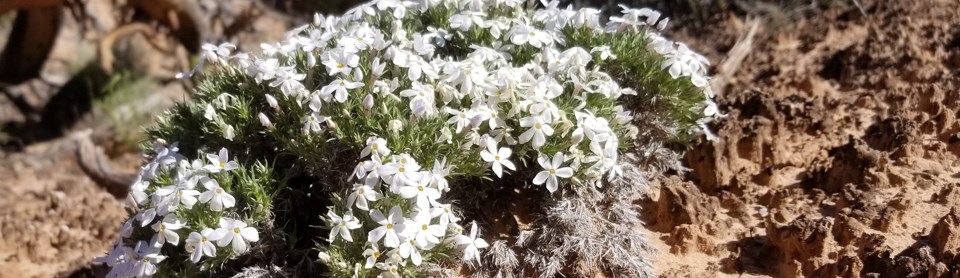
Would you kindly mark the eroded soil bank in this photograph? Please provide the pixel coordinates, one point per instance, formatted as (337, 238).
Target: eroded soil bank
(839, 156)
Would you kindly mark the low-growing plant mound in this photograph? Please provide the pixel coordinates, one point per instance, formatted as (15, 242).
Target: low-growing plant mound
(374, 143)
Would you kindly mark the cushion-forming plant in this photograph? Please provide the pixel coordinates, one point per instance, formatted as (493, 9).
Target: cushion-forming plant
(376, 143)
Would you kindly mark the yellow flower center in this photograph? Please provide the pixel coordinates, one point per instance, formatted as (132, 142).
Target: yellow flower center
(552, 171)
(420, 188)
(340, 65)
(218, 190)
(400, 170)
(537, 126)
(423, 227)
(373, 147)
(222, 164)
(389, 226)
(360, 191)
(236, 230)
(203, 239)
(496, 158)
(376, 254)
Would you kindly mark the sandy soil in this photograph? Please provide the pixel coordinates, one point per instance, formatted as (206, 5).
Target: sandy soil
(53, 218)
(838, 157)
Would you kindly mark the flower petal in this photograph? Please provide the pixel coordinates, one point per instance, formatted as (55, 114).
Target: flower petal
(541, 177)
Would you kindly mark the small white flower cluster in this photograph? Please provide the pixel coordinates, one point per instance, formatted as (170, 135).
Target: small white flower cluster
(399, 237)
(490, 79)
(166, 186)
(488, 96)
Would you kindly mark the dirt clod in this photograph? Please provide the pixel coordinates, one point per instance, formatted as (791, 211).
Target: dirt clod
(840, 155)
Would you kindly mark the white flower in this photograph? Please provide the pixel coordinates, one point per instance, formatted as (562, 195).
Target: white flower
(315, 40)
(166, 231)
(210, 113)
(288, 80)
(311, 123)
(173, 196)
(402, 171)
(438, 175)
(145, 260)
(471, 244)
(215, 53)
(445, 213)
(201, 244)
(498, 158)
(466, 20)
(220, 162)
(422, 45)
(422, 193)
(372, 254)
(236, 232)
(342, 225)
(377, 146)
(424, 234)
(605, 52)
(146, 216)
(126, 229)
(551, 171)
(388, 270)
(391, 227)
(395, 125)
(361, 194)
(339, 89)
(525, 34)
(539, 130)
(216, 196)
(461, 118)
(341, 62)
(409, 249)
(264, 70)
(372, 170)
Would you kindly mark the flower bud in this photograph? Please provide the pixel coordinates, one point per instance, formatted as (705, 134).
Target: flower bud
(265, 121)
(395, 125)
(324, 257)
(368, 102)
(228, 132)
(311, 60)
(272, 102)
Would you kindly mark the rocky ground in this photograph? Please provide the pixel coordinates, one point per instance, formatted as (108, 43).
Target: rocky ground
(838, 157)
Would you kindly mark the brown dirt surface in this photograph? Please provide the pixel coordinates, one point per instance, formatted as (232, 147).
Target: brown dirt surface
(53, 218)
(839, 154)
